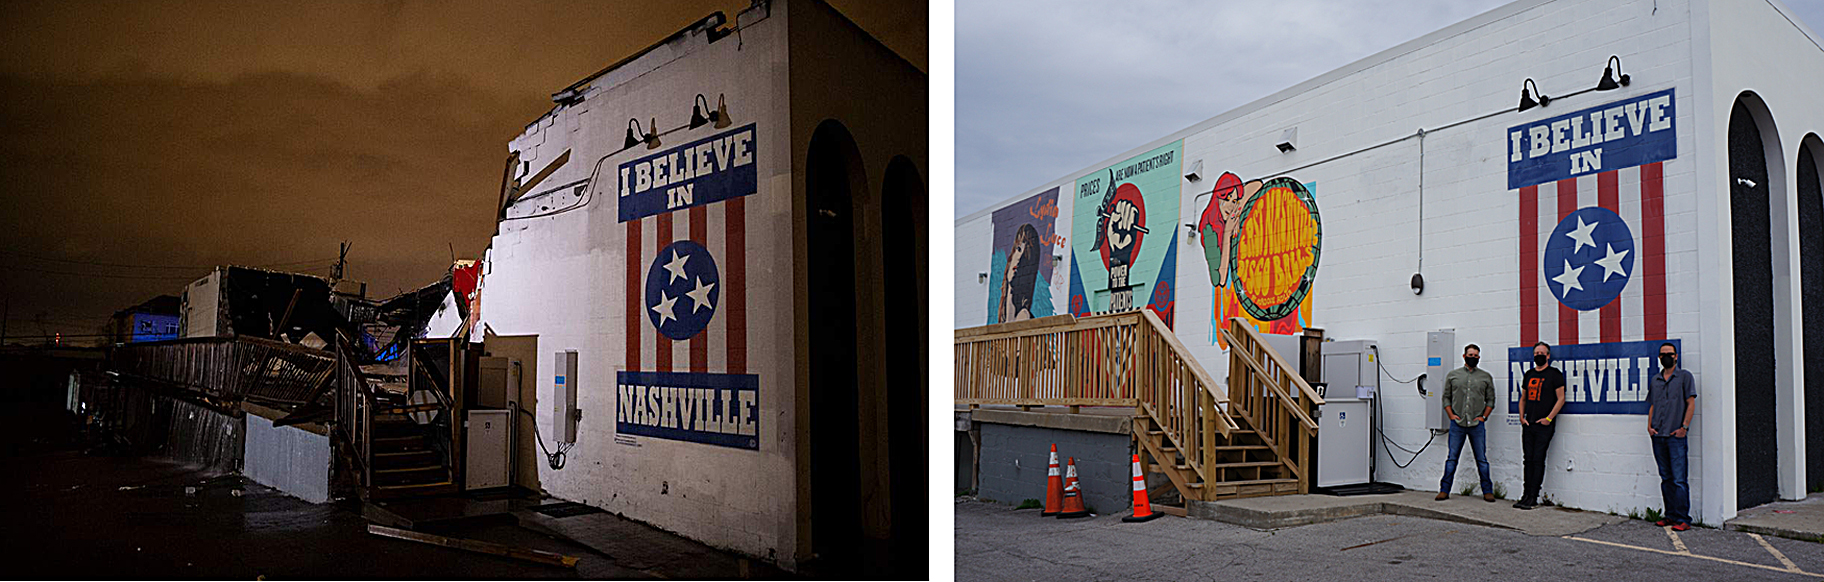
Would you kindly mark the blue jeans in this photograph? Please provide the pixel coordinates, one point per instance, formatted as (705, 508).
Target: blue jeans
(1477, 443)
(1670, 452)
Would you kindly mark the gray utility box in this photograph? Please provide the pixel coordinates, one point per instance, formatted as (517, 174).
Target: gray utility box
(498, 383)
(563, 398)
(489, 451)
(1441, 356)
(1345, 423)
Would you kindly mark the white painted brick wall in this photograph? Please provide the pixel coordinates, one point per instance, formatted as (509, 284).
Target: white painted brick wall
(562, 277)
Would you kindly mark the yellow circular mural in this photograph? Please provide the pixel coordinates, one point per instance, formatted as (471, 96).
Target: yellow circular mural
(1277, 250)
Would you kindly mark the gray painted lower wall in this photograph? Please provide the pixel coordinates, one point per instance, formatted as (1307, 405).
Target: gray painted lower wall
(1104, 469)
(965, 460)
(287, 458)
(199, 435)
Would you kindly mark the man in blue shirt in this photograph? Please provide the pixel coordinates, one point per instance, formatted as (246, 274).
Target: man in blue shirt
(1671, 398)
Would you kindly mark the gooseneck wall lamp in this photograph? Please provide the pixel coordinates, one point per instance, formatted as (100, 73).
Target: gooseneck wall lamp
(1526, 97)
(717, 116)
(637, 135)
(1609, 81)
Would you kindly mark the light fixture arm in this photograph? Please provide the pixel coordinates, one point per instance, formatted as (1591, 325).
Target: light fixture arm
(1610, 70)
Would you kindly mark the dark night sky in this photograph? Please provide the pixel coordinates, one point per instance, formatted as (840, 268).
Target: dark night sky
(190, 134)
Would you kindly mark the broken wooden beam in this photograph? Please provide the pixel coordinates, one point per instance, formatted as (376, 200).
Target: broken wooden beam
(529, 555)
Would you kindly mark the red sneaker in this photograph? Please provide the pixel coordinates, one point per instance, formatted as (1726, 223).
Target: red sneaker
(1662, 523)
(1681, 527)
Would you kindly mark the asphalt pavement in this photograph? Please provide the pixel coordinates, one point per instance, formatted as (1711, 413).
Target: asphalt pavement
(996, 542)
(71, 515)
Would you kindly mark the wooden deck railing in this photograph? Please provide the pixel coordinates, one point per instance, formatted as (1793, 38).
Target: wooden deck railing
(1268, 393)
(1051, 361)
(231, 368)
(1121, 359)
(1182, 398)
(1133, 359)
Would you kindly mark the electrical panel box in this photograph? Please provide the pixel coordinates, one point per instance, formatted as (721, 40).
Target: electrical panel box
(489, 451)
(1350, 369)
(1441, 356)
(1345, 422)
(497, 383)
(563, 399)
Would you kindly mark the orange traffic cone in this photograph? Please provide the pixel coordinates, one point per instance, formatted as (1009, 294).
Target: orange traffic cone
(1073, 499)
(1143, 509)
(1054, 486)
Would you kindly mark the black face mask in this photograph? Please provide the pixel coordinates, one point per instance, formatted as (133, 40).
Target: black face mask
(1539, 360)
(1471, 360)
(1666, 360)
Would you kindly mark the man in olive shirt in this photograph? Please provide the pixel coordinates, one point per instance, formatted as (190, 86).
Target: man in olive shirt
(1541, 396)
(1469, 396)
(1671, 398)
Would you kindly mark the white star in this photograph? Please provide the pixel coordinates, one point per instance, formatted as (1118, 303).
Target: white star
(664, 308)
(1611, 264)
(1569, 279)
(1581, 234)
(700, 297)
(676, 266)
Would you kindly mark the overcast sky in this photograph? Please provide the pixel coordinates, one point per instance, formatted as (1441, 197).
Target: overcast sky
(144, 141)
(1047, 87)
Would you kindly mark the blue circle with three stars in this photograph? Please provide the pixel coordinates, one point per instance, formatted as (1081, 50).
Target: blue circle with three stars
(683, 289)
(1589, 258)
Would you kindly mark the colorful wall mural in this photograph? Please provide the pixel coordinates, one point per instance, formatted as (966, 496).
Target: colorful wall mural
(1262, 241)
(686, 375)
(1608, 258)
(1020, 271)
(1114, 263)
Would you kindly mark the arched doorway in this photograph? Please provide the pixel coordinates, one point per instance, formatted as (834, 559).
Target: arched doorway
(1811, 273)
(833, 178)
(1757, 231)
(903, 239)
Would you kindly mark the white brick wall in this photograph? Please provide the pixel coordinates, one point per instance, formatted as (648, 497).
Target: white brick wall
(1371, 212)
(562, 277)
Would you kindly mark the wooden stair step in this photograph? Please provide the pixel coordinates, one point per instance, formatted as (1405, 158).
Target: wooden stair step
(405, 458)
(1255, 488)
(410, 490)
(1243, 448)
(410, 469)
(412, 486)
(1246, 464)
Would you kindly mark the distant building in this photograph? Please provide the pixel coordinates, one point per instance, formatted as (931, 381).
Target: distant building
(725, 232)
(155, 320)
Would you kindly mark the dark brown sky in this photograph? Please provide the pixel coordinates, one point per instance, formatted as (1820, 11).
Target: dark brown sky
(189, 134)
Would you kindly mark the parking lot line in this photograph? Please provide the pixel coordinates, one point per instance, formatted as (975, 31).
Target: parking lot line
(1794, 570)
(1776, 553)
(1676, 543)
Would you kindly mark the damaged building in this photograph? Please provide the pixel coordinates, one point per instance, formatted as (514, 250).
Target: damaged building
(710, 258)
(285, 377)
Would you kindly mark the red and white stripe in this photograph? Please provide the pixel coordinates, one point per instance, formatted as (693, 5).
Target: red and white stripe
(1637, 194)
(721, 347)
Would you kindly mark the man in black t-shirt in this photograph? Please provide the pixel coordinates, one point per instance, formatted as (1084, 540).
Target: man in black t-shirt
(1541, 397)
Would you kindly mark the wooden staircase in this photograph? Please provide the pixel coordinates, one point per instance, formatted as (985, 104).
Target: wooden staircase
(392, 455)
(1252, 439)
(404, 462)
